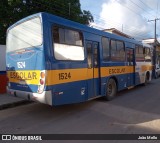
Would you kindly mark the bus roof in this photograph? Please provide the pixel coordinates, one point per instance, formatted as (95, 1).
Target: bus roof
(87, 28)
(76, 25)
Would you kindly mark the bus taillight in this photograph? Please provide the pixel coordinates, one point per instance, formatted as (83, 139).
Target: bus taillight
(41, 82)
(42, 74)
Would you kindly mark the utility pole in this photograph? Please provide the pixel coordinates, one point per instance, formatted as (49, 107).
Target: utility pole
(155, 44)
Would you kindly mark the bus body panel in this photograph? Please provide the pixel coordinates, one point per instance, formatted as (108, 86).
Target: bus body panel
(67, 93)
(24, 69)
(142, 68)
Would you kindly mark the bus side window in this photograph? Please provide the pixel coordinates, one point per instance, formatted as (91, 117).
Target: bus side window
(129, 53)
(113, 50)
(117, 51)
(89, 55)
(106, 50)
(120, 51)
(68, 44)
(147, 54)
(58, 35)
(95, 55)
(139, 53)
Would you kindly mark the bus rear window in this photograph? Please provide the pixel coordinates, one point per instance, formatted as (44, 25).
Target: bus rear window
(68, 44)
(24, 35)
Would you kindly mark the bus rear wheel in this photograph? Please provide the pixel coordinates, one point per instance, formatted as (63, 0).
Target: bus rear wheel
(111, 89)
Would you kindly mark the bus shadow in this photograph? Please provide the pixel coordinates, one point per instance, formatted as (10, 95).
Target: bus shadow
(139, 105)
(138, 99)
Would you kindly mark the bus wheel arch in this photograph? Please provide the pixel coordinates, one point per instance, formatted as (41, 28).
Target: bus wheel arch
(111, 88)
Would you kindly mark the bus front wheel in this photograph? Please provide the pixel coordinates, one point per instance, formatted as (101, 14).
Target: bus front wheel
(111, 89)
(146, 79)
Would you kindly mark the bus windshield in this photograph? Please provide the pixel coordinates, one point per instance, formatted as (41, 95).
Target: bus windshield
(25, 35)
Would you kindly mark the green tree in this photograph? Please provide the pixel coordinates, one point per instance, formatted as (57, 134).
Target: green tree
(14, 10)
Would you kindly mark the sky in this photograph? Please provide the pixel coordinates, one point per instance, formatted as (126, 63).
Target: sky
(128, 16)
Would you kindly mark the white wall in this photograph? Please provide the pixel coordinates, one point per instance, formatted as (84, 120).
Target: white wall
(2, 57)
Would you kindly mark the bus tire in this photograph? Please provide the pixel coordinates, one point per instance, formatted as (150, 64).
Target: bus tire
(146, 79)
(111, 89)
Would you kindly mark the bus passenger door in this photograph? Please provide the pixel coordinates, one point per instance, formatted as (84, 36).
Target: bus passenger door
(93, 69)
(130, 67)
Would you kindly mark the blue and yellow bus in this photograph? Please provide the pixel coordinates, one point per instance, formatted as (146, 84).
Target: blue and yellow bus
(57, 61)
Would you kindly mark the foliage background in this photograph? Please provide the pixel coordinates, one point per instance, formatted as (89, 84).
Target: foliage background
(13, 10)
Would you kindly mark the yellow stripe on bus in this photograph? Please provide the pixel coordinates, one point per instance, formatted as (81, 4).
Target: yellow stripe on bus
(65, 75)
(146, 68)
(28, 77)
(71, 75)
(108, 71)
(54, 77)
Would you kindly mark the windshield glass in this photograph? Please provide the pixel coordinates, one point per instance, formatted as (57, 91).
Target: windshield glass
(24, 35)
